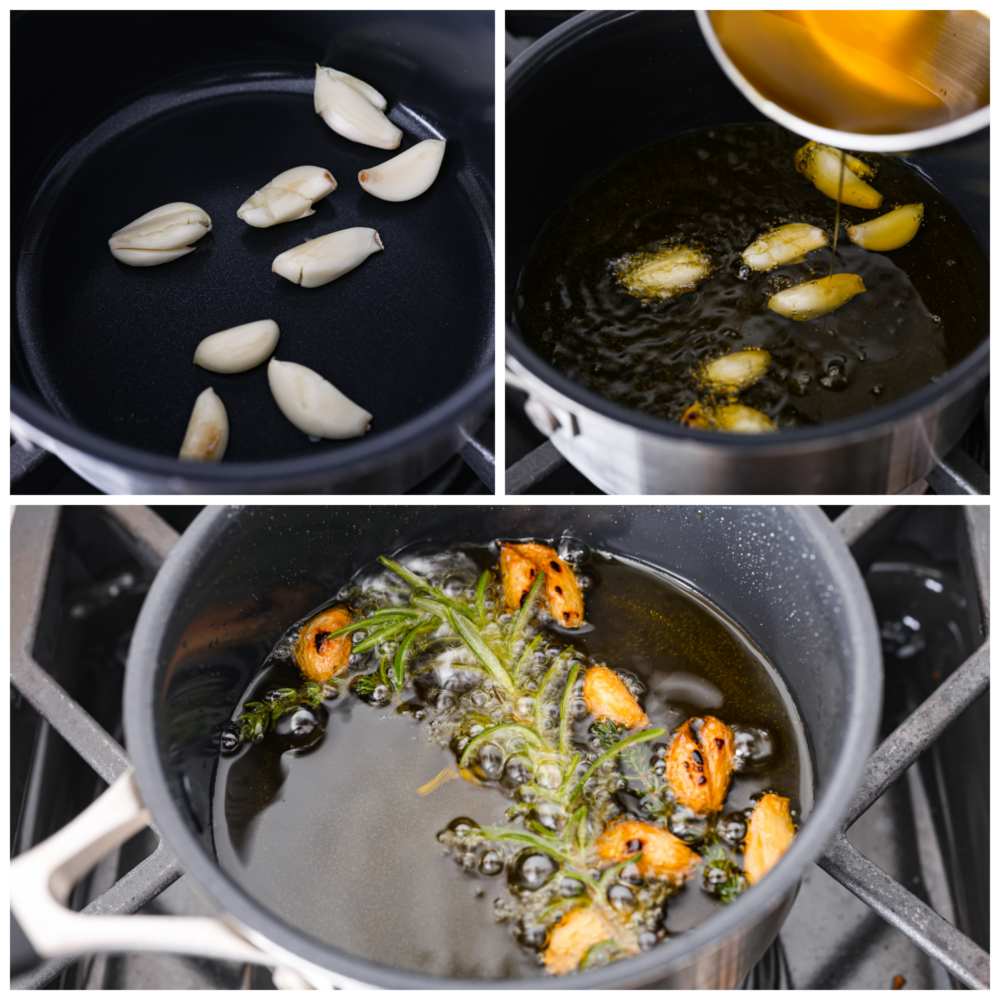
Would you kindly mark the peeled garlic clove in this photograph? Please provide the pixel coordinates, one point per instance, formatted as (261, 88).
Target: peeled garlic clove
(207, 431)
(890, 231)
(290, 196)
(821, 164)
(784, 245)
(239, 348)
(737, 371)
(327, 74)
(161, 235)
(816, 298)
(407, 175)
(350, 115)
(314, 405)
(327, 257)
(665, 274)
(734, 418)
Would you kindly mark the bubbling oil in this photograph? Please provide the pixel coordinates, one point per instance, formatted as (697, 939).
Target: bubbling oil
(925, 309)
(321, 820)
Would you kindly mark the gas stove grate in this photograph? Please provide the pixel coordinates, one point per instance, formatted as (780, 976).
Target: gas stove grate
(151, 540)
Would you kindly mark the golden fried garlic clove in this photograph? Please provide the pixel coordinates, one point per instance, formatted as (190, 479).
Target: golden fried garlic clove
(664, 274)
(816, 298)
(734, 372)
(784, 245)
(890, 231)
(327, 257)
(161, 235)
(770, 833)
(207, 431)
(407, 175)
(821, 165)
(288, 197)
(353, 109)
(314, 405)
(239, 348)
(733, 418)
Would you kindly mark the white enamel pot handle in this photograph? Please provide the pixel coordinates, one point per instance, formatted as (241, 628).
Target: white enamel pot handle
(42, 879)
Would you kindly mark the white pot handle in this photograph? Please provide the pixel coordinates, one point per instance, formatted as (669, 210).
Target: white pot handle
(41, 881)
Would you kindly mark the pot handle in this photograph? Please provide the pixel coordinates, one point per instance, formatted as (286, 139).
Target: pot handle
(42, 926)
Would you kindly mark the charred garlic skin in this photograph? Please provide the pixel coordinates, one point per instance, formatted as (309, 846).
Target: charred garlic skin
(326, 258)
(664, 856)
(699, 766)
(665, 273)
(521, 563)
(770, 833)
(207, 431)
(159, 236)
(784, 245)
(353, 109)
(890, 231)
(318, 656)
(288, 197)
(406, 176)
(816, 298)
(821, 164)
(607, 696)
(239, 348)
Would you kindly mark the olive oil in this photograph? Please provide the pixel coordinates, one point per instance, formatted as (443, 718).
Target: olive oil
(873, 71)
(926, 307)
(332, 819)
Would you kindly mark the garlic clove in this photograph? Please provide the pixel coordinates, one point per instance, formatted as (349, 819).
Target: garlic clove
(732, 418)
(350, 115)
(890, 231)
(239, 348)
(327, 74)
(784, 245)
(314, 405)
(405, 176)
(734, 372)
(665, 273)
(288, 197)
(821, 165)
(160, 235)
(207, 431)
(327, 257)
(816, 298)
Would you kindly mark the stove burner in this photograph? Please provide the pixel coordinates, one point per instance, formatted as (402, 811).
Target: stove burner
(926, 571)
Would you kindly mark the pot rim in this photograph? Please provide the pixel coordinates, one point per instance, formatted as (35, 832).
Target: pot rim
(831, 805)
(962, 378)
(391, 446)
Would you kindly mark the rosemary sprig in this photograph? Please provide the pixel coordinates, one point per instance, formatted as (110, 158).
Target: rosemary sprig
(259, 716)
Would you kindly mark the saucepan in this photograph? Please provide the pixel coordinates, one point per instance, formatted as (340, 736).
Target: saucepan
(605, 84)
(240, 576)
(206, 107)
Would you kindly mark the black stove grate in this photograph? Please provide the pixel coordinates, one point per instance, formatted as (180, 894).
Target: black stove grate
(78, 578)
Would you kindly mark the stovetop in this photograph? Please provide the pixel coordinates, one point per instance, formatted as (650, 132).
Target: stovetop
(929, 831)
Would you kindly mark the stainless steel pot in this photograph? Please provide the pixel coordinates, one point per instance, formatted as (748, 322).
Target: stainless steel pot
(565, 110)
(240, 576)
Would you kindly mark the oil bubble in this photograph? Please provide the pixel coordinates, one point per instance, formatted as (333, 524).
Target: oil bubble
(752, 746)
(687, 825)
(229, 742)
(621, 898)
(517, 772)
(732, 828)
(491, 863)
(491, 761)
(531, 871)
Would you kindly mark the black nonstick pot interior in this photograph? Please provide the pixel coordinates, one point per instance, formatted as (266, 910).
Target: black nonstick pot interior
(108, 347)
(623, 80)
(241, 576)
